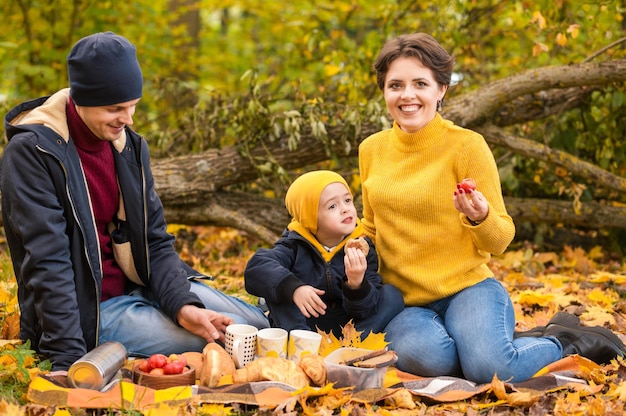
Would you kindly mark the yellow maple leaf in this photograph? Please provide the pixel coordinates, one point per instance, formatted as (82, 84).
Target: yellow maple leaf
(9, 409)
(8, 297)
(598, 316)
(573, 30)
(402, 399)
(350, 338)
(603, 297)
(374, 341)
(618, 391)
(316, 401)
(533, 297)
(561, 39)
(568, 405)
(538, 48)
(516, 398)
(215, 409)
(539, 19)
(329, 343)
(606, 277)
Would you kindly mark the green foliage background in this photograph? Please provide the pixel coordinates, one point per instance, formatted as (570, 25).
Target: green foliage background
(244, 71)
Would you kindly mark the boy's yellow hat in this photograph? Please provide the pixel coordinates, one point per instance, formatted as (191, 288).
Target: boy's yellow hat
(303, 196)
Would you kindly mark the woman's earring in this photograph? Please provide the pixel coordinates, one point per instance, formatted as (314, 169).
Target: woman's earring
(439, 105)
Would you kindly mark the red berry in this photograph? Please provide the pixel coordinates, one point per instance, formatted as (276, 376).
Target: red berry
(468, 184)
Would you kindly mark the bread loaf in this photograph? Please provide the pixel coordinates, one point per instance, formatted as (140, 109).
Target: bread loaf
(216, 363)
(359, 243)
(195, 360)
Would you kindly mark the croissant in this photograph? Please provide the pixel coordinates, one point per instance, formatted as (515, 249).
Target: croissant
(314, 367)
(274, 369)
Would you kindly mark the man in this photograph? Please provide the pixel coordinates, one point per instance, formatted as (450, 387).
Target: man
(85, 227)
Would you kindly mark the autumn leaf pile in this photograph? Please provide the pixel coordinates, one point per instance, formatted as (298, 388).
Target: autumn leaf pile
(587, 283)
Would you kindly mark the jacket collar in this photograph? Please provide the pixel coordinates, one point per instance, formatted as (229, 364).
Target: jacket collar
(48, 112)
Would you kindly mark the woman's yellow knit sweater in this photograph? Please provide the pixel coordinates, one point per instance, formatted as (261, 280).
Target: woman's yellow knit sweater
(426, 248)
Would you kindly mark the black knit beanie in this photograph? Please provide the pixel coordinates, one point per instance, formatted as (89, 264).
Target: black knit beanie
(103, 70)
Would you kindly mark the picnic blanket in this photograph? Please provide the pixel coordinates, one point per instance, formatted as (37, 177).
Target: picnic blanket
(124, 394)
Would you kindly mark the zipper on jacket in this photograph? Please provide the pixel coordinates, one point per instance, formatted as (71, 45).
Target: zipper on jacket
(78, 223)
(329, 280)
(145, 213)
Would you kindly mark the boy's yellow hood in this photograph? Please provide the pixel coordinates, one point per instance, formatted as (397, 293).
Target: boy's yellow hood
(303, 196)
(302, 201)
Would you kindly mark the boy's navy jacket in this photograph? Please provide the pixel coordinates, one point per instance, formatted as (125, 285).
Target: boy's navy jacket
(276, 273)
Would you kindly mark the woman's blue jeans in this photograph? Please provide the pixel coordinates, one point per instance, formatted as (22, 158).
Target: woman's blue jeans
(470, 335)
(136, 321)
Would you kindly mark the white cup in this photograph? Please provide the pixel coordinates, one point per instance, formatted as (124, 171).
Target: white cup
(303, 342)
(272, 342)
(241, 343)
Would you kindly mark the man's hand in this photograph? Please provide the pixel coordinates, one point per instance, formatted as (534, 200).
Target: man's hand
(307, 299)
(205, 323)
(356, 264)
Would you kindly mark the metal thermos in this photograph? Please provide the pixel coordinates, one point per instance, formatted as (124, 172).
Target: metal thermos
(96, 368)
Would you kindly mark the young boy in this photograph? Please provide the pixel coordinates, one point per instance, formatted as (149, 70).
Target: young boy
(309, 279)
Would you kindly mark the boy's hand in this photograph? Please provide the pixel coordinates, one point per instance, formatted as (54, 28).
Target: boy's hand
(356, 264)
(307, 299)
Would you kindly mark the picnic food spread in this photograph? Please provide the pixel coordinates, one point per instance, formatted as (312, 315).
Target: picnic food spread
(214, 363)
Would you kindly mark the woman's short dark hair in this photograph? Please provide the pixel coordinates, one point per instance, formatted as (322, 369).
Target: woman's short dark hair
(417, 45)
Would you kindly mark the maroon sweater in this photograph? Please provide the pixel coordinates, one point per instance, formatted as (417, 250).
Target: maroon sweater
(96, 157)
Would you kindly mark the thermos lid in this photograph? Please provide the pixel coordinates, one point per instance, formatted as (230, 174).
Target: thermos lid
(85, 375)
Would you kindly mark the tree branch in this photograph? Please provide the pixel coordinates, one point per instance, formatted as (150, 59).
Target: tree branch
(532, 149)
(479, 106)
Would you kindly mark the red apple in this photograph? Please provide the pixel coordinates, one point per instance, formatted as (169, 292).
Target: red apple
(144, 366)
(175, 367)
(157, 361)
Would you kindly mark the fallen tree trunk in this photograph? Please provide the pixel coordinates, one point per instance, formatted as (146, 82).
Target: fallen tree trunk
(197, 189)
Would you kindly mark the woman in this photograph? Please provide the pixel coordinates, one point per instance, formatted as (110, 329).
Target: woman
(434, 237)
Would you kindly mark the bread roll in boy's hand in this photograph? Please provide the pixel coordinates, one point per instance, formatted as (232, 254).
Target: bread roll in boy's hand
(359, 243)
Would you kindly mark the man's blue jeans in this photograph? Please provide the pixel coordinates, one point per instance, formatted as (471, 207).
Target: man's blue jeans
(136, 321)
(470, 335)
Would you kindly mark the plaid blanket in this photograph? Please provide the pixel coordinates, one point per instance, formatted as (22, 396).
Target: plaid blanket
(124, 394)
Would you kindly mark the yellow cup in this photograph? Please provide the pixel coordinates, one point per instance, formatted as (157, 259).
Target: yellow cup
(272, 342)
(303, 342)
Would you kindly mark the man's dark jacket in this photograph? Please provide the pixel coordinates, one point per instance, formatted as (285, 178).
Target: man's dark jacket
(50, 230)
